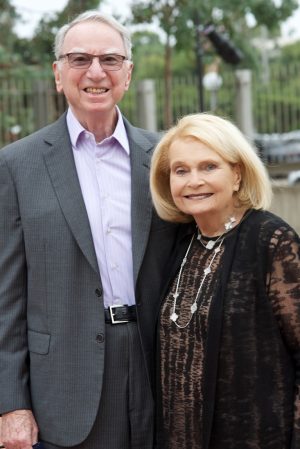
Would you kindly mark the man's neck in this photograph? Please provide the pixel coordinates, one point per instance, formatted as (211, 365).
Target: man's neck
(100, 125)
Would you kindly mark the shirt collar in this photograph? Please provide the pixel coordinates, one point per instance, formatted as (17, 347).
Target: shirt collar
(76, 131)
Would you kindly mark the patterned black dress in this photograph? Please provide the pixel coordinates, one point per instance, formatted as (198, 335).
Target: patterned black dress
(182, 350)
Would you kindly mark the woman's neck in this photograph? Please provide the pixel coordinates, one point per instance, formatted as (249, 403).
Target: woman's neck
(214, 227)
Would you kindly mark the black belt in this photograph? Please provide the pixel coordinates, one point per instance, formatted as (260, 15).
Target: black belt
(120, 314)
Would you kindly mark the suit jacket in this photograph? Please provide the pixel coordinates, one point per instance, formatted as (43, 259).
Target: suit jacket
(52, 331)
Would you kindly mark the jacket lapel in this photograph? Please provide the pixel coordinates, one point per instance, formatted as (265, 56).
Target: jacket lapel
(62, 171)
(141, 206)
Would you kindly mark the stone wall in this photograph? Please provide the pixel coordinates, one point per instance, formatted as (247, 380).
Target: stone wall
(286, 204)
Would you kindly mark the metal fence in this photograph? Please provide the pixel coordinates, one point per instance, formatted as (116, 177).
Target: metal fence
(276, 102)
(29, 101)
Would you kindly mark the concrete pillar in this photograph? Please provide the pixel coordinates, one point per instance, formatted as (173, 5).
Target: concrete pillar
(244, 113)
(146, 103)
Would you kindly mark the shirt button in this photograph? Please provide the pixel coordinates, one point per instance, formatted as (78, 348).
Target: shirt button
(100, 338)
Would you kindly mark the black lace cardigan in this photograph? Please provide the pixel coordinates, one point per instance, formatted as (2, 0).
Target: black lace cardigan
(252, 362)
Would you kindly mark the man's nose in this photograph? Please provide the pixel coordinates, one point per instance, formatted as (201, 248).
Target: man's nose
(95, 69)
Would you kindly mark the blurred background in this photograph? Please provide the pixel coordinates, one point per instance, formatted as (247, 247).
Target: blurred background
(236, 58)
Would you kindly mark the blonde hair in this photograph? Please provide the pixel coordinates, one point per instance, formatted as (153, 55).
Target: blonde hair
(223, 137)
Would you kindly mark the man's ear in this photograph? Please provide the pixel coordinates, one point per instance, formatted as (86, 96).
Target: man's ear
(57, 76)
(128, 77)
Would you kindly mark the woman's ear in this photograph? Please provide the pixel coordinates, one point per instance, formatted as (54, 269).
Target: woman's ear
(237, 177)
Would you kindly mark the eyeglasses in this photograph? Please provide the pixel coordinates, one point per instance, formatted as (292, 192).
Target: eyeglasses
(109, 62)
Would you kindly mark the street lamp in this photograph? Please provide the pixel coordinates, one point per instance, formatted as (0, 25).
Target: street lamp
(212, 82)
(228, 52)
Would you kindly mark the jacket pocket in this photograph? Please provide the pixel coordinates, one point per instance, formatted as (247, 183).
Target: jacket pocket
(38, 342)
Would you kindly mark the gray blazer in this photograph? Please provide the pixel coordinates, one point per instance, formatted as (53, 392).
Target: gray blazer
(52, 332)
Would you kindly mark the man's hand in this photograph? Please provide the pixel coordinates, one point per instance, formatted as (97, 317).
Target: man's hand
(19, 430)
(0, 431)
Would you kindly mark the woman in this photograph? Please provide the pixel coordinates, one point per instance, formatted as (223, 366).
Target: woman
(229, 324)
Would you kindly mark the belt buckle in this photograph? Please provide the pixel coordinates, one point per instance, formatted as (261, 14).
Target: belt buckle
(112, 315)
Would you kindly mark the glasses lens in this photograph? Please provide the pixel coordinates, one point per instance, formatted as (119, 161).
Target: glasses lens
(84, 60)
(80, 60)
(111, 62)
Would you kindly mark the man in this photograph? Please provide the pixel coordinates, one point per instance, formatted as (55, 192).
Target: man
(81, 259)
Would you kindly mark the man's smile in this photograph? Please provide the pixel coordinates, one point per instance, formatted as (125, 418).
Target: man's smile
(95, 90)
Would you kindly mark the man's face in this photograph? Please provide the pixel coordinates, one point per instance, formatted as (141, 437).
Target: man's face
(92, 90)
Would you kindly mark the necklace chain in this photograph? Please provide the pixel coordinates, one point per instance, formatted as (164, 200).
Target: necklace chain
(207, 270)
(174, 316)
(210, 244)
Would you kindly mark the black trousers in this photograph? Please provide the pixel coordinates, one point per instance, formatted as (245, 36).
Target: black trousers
(125, 416)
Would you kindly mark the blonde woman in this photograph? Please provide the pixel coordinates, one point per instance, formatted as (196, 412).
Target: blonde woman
(229, 322)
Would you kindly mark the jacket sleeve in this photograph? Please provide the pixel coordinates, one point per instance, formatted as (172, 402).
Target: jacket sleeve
(14, 391)
(284, 293)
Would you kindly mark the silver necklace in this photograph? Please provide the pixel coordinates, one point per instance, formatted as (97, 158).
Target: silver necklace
(211, 243)
(174, 316)
(207, 270)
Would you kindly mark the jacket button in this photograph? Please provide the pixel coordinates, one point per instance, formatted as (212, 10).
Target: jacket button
(100, 338)
(98, 292)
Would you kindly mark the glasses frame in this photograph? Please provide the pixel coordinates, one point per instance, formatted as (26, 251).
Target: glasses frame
(91, 58)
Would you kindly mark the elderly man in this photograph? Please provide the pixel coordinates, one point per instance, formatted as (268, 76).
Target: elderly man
(81, 257)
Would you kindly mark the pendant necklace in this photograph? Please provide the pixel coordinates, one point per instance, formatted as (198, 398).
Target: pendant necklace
(207, 270)
(211, 243)
(174, 316)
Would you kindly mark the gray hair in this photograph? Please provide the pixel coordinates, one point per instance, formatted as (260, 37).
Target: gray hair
(93, 16)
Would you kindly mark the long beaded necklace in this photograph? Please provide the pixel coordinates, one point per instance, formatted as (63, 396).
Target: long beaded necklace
(207, 270)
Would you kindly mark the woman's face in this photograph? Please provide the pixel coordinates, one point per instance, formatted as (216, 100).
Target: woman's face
(202, 182)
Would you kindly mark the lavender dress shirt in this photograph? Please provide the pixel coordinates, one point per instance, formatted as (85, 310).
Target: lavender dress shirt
(105, 178)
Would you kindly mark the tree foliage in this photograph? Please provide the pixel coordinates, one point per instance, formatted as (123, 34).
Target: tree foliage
(39, 49)
(184, 21)
(289, 53)
(177, 17)
(148, 54)
(148, 57)
(8, 38)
